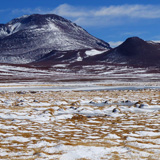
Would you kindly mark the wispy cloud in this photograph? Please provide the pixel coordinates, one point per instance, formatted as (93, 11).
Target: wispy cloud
(136, 11)
(157, 41)
(115, 44)
(71, 11)
(85, 16)
(104, 16)
(108, 15)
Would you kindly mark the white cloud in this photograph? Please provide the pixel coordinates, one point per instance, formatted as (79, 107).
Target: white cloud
(115, 44)
(136, 11)
(97, 21)
(156, 41)
(70, 11)
(107, 15)
(100, 16)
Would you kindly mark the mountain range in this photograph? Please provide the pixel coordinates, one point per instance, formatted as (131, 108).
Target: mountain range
(39, 40)
(133, 52)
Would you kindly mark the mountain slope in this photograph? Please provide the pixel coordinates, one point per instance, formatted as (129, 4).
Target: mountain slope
(134, 51)
(50, 39)
(30, 38)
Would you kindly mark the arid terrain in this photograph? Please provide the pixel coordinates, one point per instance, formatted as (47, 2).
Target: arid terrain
(79, 124)
(67, 95)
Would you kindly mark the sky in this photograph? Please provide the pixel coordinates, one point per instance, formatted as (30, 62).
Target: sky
(110, 20)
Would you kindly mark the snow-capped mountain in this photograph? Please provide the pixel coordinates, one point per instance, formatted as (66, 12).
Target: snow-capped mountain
(47, 40)
(34, 37)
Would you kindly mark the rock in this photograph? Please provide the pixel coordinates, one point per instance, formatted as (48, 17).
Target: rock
(141, 106)
(21, 92)
(91, 102)
(33, 92)
(35, 100)
(137, 104)
(20, 100)
(114, 110)
(127, 101)
(37, 154)
(73, 108)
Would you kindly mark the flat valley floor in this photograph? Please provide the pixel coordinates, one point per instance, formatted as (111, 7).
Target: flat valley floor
(80, 124)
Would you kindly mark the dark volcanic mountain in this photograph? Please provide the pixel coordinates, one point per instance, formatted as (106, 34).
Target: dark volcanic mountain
(35, 37)
(135, 52)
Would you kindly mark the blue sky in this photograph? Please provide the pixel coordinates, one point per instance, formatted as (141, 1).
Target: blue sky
(110, 20)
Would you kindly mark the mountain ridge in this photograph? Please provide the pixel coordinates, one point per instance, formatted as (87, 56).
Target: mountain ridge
(50, 39)
(134, 51)
(29, 38)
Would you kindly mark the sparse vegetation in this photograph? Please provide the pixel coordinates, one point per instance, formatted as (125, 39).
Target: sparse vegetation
(41, 129)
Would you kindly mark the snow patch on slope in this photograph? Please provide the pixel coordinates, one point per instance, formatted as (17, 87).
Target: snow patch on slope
(38, 35)
(79, 58)
(15, 27)
(94, 52)
(52, 26)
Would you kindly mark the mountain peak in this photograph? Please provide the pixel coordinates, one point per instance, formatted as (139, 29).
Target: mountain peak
(133, 41)
(135, 51)
(39, 19)
(29, 38)
(32, 21)
(131, 46)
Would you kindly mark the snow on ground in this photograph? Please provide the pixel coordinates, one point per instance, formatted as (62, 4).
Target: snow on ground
(94, 52)
(78, 124)
(57, 72)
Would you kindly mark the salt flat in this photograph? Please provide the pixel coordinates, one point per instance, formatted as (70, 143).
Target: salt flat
(117, 123)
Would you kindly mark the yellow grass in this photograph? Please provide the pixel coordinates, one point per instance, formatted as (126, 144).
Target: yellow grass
(80, 129)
